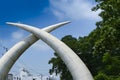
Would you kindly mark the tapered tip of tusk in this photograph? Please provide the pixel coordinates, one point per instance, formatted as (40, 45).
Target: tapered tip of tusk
(8, 22)
(16, 24)
(11, 23)
(67, 22)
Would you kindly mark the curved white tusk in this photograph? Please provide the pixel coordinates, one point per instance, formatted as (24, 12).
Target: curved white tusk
(11, 56)
(75, 65)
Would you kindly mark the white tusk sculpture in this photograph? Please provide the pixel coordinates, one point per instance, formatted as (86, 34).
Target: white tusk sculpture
(11, 56)
(75, 65)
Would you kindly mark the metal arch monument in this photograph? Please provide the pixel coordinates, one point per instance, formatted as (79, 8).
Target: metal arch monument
(11, 56)
(75, 65)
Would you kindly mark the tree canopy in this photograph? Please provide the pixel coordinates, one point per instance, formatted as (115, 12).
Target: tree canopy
(100, 50)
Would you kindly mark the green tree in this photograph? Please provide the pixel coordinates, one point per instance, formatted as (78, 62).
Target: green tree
(100, 50)
(107, 47)
(102, 76)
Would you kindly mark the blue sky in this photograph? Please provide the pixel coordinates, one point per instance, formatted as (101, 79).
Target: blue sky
(42, 13)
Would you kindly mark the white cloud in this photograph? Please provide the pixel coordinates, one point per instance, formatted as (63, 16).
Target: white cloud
(17, 35)
(73, 9)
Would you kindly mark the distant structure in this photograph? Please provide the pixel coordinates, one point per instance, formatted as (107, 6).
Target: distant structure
(75, 65)
(24, 74)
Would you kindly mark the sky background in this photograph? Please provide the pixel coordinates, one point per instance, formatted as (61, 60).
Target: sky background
(42, 13)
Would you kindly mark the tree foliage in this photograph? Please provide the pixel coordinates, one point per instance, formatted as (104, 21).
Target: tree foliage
(107, 47)
(100, 50)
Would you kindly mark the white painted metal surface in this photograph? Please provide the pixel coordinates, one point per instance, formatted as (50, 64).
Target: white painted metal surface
(10, 57)
(75, 65)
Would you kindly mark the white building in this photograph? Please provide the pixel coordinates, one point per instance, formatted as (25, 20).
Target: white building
(26, 75)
